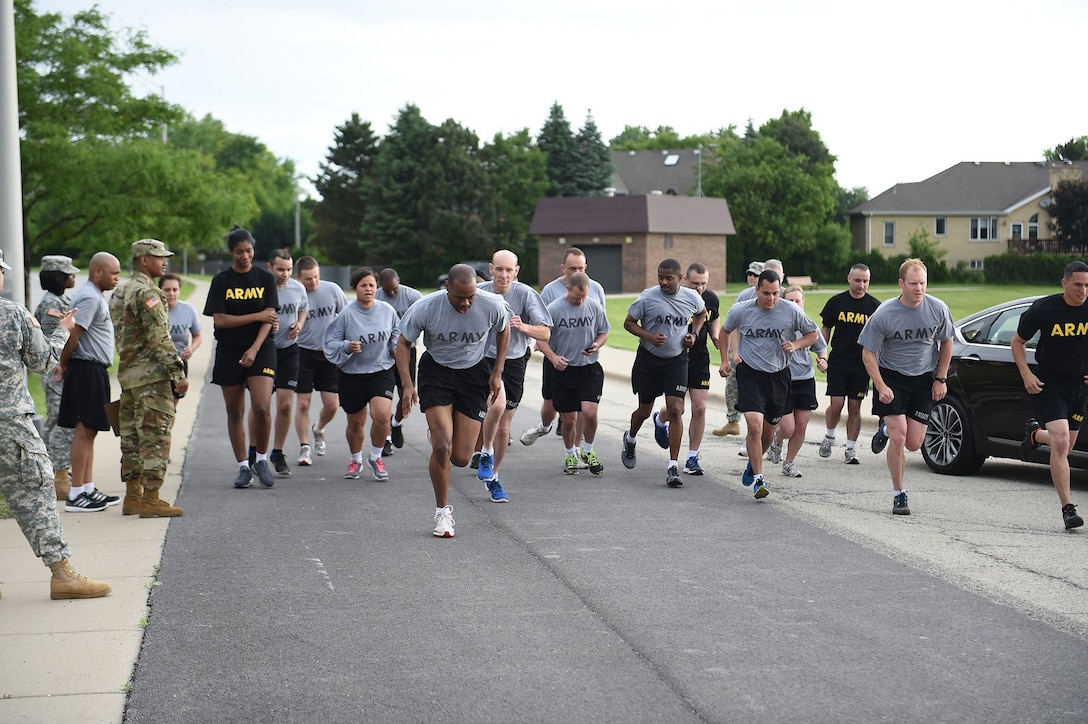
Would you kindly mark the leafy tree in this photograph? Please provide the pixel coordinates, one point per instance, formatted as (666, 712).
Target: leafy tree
(557, 142)
(340, 213)
(793, 129)
(453, 210)
(1069, 214)
(517, 176)
(663, 138)
(847, 199)
(1075, 149)
(594, 172)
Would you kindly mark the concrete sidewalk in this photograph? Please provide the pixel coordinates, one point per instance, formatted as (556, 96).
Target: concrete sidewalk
(73, 660)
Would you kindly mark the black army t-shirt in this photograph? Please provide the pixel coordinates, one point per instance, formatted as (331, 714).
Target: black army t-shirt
(1063, 336)
(240, 294)
(846, 316)
(699, 351)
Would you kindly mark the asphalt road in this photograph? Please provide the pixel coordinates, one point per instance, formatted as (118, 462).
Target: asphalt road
(613, 598)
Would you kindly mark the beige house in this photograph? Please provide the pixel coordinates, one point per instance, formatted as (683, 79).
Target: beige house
(625, 237)
(972, 210)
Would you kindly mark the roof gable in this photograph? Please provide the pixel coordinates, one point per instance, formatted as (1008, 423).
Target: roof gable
(638, 173)
(632, 215)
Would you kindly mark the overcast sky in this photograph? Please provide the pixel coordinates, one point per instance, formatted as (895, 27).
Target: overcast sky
(898, 91)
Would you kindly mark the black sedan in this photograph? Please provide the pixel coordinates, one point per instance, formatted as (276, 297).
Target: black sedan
(984, 412)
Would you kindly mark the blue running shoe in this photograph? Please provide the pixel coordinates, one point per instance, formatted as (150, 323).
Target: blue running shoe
(880, 439)
(761, 489)
(498, 495)
(485, 470)
(661, 433)
(692, 466)
(748, 477)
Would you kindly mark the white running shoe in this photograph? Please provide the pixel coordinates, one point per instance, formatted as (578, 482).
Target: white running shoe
(825, 446)
(443, 523)
(791, 470)
(319, 440)
(851, 456)
(533, 434)
(304, 458)
(774, 453)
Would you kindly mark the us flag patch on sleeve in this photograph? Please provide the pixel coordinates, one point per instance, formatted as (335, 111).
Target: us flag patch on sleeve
(152, 303)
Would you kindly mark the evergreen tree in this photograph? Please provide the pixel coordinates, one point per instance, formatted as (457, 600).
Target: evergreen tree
(595, 167)
(517, 176)
(1069, 214)
(452, 212)
(339, 216)
(557, 142)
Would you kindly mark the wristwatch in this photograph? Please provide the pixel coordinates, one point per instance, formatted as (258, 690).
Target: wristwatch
(942, 380)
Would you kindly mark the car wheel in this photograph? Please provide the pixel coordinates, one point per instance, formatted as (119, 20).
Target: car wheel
(949, 445)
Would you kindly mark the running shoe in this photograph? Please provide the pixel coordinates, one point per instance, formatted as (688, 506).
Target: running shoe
(486, 467)
(826, 445)
(899, 504)
(672, 477)
(594, 463)
(396, 434)
(319, 440)
(474, 461)
(498, 495)
(747, 477)
(443, 523)
(387, 449)
(1070, 517)
(252, 456)
(661, 433)
(245, 477)
(83, 503)
(880, 439)
(533, 434)
(353, 470)
(99, 497)
(761, 490)
(627, 457)
(774, 453)
(1028, 444)
(264, 474)
(279, 462)
(790, 470)
(583, 463)
(377, 469)
(851, 456)
(692, 466)
(304, 459)
(570, 465)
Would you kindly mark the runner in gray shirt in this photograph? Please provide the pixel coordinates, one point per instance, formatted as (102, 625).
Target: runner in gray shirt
(529, 322)
(291, 314)
(766, 333)
(579, 329)
(360, 341)
(455, 385)
(666, 319)
(326, 300)
(401, 296)
(732, 414)
(905, 340)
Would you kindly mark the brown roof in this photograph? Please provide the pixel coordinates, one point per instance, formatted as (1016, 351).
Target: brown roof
(968, 187)
(632, 215)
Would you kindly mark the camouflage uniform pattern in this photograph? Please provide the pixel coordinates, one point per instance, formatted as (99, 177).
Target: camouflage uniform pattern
(732, 414)
(148, 363)
(58, 440)
(26, 473)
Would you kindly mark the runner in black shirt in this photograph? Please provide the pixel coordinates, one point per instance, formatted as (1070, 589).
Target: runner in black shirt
(1059, 384)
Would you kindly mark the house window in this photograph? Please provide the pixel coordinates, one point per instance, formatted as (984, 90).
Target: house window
(1016, 230)
(975, 265)
(889, 233)
(983, 228)
(1033, 227)
(668, 241)
(939, 226)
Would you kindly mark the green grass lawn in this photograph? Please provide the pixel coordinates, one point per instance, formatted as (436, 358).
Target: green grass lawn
(961, 300)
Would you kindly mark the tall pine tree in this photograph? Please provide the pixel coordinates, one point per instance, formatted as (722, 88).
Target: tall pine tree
(594, 160)
(343, 207)
(557, 142)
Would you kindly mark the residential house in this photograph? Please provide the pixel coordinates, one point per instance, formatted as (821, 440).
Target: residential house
(972, 210)
(673, 172)
(625, 237)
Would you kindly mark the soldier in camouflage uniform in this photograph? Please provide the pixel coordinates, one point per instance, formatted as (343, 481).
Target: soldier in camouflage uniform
(26, 474)
(150, 372)
(57, 275)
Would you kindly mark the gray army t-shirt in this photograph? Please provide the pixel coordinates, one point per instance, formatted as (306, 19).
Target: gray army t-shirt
(93, 315)
(405, 297)
(558, 287)
(293, 300)
(669, 314)
(325, 303)
(763, 330)
(454, 340)
(184, 325)
(523, 301)
(905, 338)
(576, 327)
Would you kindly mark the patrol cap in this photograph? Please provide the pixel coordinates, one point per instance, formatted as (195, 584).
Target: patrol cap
(149, 247)
(3, 264)
(755, 268)
(57, 262)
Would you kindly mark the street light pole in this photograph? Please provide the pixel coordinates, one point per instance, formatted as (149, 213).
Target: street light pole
(298, 221)
(699, 187)
(11, 184)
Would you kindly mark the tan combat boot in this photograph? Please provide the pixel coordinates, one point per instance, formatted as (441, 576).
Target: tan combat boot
(133, 496)
(62, 481)
(66, 583)
(730, 428)
(152, 507)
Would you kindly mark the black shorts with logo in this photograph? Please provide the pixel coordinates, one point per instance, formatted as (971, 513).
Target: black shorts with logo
(1061, 399)
(698, 373)
(653, 376)
(847, 378)
(763, 392)
(227, 372)
(513, 378)
(356, 391)
(315, 372)
(911, 396)
(287, 368)
(576, 385)
(802, 395)
(467, 390)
